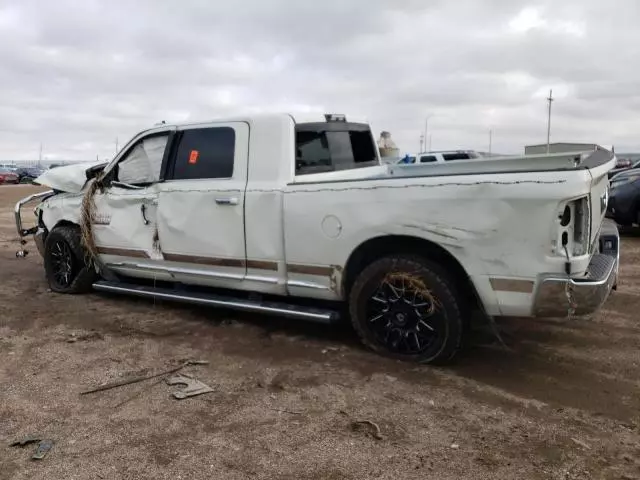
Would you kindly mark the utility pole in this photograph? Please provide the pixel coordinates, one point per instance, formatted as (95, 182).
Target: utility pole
(430, 137)
(490, 140)
(550, 100)
(421, 143)
(116, 145)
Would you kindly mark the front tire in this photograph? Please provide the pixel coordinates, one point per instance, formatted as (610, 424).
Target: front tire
(64, 262)
(407, 308)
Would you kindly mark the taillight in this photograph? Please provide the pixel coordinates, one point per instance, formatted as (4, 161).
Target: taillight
(573, 228)
(582, 226)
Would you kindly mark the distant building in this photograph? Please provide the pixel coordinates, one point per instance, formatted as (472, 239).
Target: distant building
(565, 147)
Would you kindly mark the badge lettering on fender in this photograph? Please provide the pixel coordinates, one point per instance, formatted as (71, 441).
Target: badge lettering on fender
(101, 219)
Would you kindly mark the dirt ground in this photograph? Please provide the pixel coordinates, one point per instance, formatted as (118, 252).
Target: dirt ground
(562, 403)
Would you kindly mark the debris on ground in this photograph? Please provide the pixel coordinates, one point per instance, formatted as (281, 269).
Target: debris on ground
(290, 412)
(82, 337)
(330, 349)
(280, 380)
(455, 446)
(193, 386)
(129, 381)
(140, 392)
(581, 443)
(44, 445)
(43, 448)
(367, 425)
(25, 441)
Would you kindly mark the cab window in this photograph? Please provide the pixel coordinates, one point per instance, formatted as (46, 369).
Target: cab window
(143, 163)
(327, 147)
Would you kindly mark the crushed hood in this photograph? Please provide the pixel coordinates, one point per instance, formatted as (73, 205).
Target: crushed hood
(70, 178)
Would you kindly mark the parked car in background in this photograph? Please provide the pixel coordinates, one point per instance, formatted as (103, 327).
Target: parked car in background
(7, 175)
(440, 157)
(616, 170)
(623, 162)
(28, 174)
(624, 197)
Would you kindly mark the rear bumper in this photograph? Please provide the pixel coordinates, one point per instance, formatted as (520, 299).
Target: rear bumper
(558, 295)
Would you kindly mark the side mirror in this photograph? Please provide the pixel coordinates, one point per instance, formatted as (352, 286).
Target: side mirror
(94, 171)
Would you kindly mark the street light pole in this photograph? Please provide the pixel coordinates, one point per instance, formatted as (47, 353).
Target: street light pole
(426, 127)
(490, 140)
(550, 100)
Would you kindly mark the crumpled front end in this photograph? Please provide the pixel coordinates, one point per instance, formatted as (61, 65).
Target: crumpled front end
(37, 231)
(70, 178)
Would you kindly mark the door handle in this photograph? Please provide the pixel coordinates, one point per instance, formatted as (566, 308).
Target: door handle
(227, 201)
(143, 210)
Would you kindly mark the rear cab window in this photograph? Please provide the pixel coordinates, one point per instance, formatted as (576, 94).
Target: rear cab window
(333, 146)
(459, 156)
(455, 156)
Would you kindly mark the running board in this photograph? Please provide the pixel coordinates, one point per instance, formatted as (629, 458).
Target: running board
(213, 300)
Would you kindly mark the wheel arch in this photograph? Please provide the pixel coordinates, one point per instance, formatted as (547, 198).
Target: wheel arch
(65, 223)
(381, 246)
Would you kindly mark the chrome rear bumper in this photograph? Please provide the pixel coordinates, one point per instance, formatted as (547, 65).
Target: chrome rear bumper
(557, 294)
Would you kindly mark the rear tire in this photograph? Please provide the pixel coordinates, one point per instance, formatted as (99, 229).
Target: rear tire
(64, 262)
(406, 307)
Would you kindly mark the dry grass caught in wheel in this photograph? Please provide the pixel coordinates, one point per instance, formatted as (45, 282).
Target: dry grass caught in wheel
(416, 284)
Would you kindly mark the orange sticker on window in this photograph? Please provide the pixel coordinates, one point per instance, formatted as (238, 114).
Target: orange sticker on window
(193, 157)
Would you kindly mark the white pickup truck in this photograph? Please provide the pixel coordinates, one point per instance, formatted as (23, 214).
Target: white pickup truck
(298, 218)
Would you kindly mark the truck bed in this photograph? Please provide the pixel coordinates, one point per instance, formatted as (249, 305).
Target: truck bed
(511, 164)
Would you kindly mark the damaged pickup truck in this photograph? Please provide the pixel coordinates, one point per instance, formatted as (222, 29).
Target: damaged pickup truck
(298, 218)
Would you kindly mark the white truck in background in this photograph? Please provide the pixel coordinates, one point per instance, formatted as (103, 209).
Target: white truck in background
(295, 217)
(439, 156)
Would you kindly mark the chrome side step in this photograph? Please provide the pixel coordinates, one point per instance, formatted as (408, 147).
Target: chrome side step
(214, 300)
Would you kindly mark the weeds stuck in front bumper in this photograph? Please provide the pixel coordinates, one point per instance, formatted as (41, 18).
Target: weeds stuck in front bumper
(558, 295)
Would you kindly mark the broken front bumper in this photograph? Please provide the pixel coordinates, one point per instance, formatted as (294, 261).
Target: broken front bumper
(37, 232)
(558, 295)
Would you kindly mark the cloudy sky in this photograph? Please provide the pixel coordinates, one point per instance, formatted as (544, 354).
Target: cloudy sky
(77, 74)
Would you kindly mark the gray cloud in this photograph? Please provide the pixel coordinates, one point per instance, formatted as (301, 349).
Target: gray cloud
(75, 75)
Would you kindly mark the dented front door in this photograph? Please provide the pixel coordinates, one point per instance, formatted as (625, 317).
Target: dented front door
(125, 215)
(124, 223)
